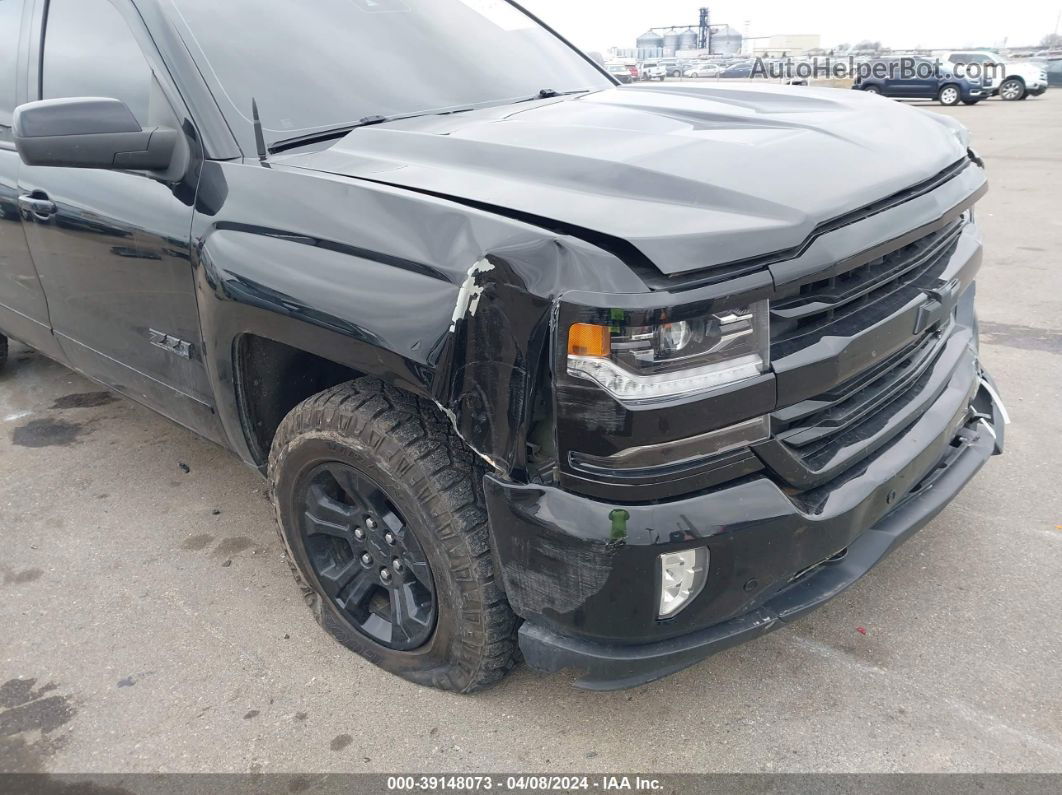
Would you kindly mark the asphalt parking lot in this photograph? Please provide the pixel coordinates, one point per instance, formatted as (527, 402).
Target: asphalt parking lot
(148, 620)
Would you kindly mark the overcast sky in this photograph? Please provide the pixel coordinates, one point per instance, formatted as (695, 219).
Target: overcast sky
(938, 24)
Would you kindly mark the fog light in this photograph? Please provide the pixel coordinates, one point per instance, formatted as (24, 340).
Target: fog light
(682, 578)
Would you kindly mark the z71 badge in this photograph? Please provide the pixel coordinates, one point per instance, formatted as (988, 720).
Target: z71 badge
(171, 344)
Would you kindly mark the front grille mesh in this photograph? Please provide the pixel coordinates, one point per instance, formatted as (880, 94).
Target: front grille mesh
(845, 303)
(828, 434)
(856, 409)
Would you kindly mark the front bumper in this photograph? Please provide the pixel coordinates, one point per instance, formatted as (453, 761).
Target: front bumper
(581, 572)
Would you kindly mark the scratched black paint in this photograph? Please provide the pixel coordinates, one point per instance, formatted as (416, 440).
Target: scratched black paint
(357, 251)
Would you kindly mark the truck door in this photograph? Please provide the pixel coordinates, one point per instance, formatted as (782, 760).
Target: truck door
(913, 78)
(891, 82)
(112, 247)
(23, 310)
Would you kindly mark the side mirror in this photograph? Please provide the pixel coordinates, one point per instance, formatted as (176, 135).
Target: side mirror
(89, 132)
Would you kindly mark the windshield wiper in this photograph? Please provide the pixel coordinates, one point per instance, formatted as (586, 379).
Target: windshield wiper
(549, 93)
(338, 132)
(331, 134)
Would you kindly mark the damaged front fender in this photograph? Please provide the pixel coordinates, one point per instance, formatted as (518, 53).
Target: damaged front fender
(449, 302)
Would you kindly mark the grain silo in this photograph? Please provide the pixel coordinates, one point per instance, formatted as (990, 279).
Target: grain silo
(650, 40)
(672, 40)
(688, 39)
(726, 41)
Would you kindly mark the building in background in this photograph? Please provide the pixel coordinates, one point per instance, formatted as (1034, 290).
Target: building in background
(681, 42)
(787, 44)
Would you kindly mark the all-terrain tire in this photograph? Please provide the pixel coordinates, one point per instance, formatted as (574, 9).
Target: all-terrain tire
(411, 451)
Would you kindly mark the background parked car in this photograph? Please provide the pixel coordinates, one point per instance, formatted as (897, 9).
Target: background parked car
(1054, 72)
(739, 69)
(621, 72)
(1012, 80)
(920, 78)
(704, 70)
(653, 71)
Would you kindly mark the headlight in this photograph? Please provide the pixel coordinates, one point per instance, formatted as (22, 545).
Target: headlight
(958, 129)
(667, 360)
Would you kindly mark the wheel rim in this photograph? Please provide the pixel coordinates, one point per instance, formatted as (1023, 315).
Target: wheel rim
(872, 90)
(1010, 89)
(365, 557)
(950, 96)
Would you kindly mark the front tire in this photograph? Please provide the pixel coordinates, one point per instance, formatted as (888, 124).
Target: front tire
(1012, 89)
(3, 351)
(872, 90)
(380, 507)
(949, 95)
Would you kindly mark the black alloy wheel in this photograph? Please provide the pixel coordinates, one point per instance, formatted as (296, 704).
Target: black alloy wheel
(365, 558)
(381, 509)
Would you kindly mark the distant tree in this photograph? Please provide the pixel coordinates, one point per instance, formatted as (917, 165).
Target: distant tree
(1051, 41)
(872, 46)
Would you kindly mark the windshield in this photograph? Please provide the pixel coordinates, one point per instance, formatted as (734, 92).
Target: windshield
(329, 63)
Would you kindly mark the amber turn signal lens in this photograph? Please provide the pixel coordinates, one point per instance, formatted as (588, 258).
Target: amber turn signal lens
(585, 339)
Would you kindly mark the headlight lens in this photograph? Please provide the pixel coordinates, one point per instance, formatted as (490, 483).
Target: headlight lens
(668, 360)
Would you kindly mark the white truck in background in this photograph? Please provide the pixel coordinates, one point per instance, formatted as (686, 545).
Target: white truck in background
(1011, 80)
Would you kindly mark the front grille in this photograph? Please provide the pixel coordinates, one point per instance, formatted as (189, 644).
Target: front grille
(844, 303)
(819, 430)
(822, 437)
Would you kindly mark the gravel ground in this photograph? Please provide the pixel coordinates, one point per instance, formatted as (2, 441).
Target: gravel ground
(148, 621)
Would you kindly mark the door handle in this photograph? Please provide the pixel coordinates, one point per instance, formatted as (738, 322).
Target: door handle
(38, 205)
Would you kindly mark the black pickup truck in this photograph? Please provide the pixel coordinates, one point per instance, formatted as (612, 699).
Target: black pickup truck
(615, 377)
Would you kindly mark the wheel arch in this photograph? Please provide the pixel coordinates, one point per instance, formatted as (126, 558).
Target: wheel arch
(268, 349)
(445, 301)
(295, 374)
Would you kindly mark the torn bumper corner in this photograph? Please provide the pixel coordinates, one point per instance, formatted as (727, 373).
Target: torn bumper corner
(583, 574)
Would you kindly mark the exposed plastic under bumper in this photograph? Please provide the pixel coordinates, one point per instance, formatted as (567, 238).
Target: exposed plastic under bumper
(613, 666)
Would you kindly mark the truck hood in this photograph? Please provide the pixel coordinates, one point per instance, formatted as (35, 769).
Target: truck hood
(693, 177)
